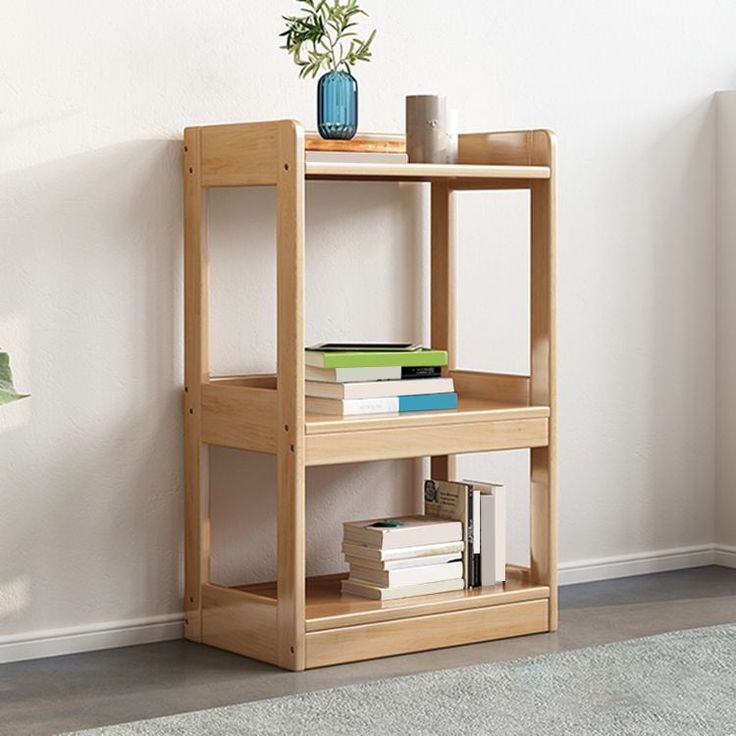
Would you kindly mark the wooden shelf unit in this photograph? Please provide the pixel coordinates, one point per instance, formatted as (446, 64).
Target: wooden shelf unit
(298, 623)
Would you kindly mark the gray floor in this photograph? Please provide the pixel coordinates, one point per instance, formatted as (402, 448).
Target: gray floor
(81, 691)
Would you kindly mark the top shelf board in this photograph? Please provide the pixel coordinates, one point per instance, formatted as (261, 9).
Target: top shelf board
(422, 172)
(265, 154)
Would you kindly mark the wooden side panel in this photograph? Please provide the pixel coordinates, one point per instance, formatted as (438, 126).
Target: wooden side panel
(387, 638)
(510, 148)
(361, 446)
(290, 368)
(543, 508)
(245, 154)
(507, 148)
(442, 295)
(196, 373)
(239, 622)
(239, 416)
(502, 387)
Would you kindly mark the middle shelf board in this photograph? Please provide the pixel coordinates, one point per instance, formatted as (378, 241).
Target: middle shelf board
(328, 608)
(243, 413)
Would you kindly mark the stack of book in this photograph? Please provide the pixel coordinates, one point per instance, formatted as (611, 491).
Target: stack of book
(347, 379)
(403, 556)
(481, 510)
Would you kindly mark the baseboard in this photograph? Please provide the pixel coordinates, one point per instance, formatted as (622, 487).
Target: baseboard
(725, 556)
(623, 566)
(52, 643)
(73, 640)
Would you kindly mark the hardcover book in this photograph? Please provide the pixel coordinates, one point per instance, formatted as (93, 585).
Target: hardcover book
(375, 359)
(355, 157)
(401, 531)
(382, 373)
(408, 576)
(492, 532)
(353, 560)
(366, 590)
(458, 501)
(381, 405)
(415, 553)
(378, 389)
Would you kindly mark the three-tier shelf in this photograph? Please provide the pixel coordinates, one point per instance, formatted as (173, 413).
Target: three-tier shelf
(299, 623)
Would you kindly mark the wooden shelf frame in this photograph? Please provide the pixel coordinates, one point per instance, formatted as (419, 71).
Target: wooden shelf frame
(265, 413)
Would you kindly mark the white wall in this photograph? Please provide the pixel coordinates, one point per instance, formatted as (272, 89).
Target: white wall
(726, 339)
(93, 97)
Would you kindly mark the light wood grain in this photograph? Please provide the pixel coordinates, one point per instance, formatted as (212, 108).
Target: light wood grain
(196, 354)
(503, 387)
(433, 440)
(243, 154)
(239, 623)
(290, 369)
(470, 409)
(361, 143)
(421, 172)
(328, 608)
(543, 506)
(442, 295)
(276, 622)
(386, 638)
(248, 380)
(505, 148)
(240, 416)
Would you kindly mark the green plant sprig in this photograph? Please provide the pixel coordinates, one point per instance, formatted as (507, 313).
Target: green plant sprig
(322, 37)
(7, 390)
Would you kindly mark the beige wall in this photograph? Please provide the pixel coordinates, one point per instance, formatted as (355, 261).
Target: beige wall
(726, 325)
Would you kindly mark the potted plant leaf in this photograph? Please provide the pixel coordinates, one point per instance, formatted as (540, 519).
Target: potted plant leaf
(323, 37)
(7, 390)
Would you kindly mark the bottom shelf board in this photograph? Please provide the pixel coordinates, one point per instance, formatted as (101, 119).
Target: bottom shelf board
(328, 608)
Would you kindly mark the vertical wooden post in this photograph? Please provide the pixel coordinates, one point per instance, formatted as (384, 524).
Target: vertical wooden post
(442, 294)
(197, 367)
(290, 369)
(543, 507)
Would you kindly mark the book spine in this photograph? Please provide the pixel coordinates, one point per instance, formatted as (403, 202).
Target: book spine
(377, 359)
(420, 371)
(477, 537)
(470, 542)
(428, 402)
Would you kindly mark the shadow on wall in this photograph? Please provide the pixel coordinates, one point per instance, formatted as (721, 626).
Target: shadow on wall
(92, 484)
(366, 266)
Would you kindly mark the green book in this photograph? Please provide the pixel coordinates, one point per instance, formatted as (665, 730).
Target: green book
(375, 359)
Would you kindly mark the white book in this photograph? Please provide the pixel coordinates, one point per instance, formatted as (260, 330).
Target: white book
(347, 375)
(366, 590)
(493, 533)
(378, 389)
(410, 576)
(352, 407)
(401, 531)
(403, 564)
(362, 551)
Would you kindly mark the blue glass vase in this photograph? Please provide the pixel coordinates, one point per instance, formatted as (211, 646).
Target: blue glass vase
(337, 105)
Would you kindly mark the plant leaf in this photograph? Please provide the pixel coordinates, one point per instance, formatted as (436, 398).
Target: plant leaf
(7, 390)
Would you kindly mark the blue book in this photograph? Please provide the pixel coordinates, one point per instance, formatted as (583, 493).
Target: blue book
(428, 402)
(381, 405)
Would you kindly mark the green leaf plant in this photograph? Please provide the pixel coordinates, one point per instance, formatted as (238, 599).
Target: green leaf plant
(7, 390)
(323, 36)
